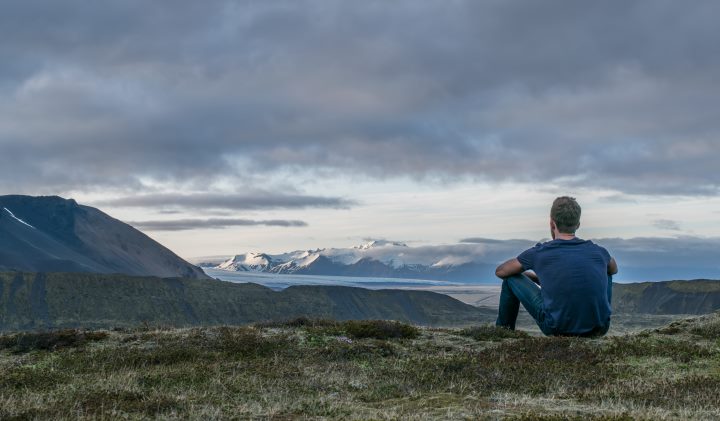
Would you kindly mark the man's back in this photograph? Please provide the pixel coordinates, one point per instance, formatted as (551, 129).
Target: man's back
(574, 280)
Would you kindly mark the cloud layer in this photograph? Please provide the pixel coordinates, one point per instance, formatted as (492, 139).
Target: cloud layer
(212, 223)
(618, 94)
(215, 201)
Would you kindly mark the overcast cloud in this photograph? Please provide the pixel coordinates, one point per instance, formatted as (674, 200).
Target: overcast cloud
(617, 94)
(245, 201)
(213, 223)
(667, 224)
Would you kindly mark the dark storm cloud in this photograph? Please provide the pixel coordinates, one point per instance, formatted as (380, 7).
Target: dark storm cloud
(213, 223)
(205, 201)
(616, 94)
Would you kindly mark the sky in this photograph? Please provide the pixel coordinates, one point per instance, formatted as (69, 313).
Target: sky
(220, 127)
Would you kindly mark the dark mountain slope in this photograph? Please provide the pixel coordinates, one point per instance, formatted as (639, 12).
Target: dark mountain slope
(700, 296)
(31, 301)
(51, 234)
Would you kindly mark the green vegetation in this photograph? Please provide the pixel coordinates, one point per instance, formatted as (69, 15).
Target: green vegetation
(491, 333)
(324, 369)
(358, 329)
(700, 296)
(695, 286)
(68, 300)
(68, 338)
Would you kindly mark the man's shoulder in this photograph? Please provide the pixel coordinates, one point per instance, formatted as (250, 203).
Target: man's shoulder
(567, 245)
(535, 248)
(595, 245)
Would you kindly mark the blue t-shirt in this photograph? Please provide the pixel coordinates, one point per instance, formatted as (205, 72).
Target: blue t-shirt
(574, 281)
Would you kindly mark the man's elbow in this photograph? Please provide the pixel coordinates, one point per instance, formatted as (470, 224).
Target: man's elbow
(500, 272)
(612, 267)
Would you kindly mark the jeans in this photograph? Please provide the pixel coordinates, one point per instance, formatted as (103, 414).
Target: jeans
(518, 289)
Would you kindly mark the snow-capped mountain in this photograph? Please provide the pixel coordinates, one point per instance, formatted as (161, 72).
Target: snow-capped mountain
(251, 262)
(378, 258)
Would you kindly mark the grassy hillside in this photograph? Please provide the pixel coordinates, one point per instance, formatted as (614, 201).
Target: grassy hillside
(700, 296)
(361, 370)
(57, 300)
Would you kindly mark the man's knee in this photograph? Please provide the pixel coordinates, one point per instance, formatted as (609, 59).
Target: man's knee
(507, 280)
(516, 278)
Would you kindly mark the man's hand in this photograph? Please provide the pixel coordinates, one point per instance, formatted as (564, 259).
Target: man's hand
(509, 268)
(533, 276)
(612, 267)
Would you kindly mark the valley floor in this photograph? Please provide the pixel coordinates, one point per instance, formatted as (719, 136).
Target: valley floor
(309, 369)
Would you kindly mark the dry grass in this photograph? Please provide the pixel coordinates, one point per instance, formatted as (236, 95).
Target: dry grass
(312, 369)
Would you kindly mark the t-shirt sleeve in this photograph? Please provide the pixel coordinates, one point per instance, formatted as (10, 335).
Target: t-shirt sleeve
(605, 254)
(527, 258)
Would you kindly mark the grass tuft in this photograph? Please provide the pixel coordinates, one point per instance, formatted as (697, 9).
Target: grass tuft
(99, 402)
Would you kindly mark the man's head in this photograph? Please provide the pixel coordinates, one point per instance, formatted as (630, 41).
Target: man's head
(565, 214)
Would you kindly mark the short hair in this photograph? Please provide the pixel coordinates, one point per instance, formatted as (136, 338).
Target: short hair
(565, 212)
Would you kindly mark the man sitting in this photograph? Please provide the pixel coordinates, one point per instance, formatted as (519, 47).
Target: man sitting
(565, 284)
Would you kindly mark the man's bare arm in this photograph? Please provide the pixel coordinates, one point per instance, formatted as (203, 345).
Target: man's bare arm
(612, 267)
(509, 268)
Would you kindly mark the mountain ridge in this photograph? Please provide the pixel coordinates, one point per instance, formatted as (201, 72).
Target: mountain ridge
(53, 234)
(376, 258)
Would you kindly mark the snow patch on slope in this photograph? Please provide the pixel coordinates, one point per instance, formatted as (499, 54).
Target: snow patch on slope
(251, 262)
(17, 219)
(452, 261)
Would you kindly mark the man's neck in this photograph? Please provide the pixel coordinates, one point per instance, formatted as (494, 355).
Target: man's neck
(561, 236)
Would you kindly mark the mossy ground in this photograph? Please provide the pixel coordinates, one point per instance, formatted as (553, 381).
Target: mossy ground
(314, 369)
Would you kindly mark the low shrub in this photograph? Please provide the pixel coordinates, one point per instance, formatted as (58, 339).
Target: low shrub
(709, 330)
(372, 349)
(301, 321)
(248, 342)
(357, 329)
(50, 341)
(492, 333)
(379, 329)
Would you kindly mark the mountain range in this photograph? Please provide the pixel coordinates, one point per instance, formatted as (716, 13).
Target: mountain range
(30, 301)
(52, 234)
(377, 258)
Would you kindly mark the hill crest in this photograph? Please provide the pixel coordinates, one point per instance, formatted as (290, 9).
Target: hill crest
(52, 234)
